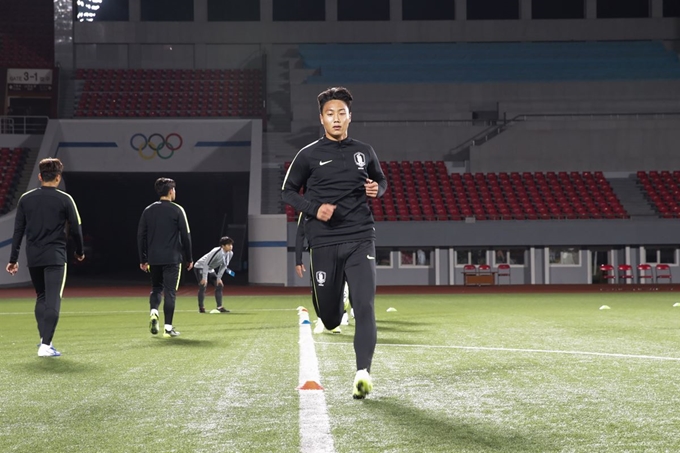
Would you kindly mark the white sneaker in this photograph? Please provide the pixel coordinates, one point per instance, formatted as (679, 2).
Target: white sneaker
(48, 351)
(345, 319)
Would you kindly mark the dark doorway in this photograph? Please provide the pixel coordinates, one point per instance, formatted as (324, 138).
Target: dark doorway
(110, 205)
(600, 257)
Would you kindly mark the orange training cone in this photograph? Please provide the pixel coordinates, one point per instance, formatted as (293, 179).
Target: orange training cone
(310, 385)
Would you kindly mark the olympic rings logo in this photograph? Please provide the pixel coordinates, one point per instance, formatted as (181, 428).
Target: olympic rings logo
(156, 143)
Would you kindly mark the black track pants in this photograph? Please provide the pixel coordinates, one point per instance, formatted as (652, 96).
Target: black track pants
(330, 267)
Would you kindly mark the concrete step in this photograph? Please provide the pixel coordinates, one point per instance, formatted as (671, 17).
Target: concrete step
(631, 196)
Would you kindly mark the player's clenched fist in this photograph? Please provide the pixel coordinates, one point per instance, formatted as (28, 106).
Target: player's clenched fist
(371, 188)
(325, 212)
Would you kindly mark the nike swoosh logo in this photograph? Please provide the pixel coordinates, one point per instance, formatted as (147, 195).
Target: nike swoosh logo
(370, 257)
(322, 163)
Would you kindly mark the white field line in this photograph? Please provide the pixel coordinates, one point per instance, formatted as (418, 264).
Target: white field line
(114, 312)
(315, 426)
(531, 351)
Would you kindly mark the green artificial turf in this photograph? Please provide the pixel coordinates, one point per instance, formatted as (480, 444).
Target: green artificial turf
(452, 373)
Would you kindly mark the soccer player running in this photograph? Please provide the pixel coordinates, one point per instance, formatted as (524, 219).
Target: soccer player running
(210, 268)
(164, 242)
(42, 215)
(339, 173)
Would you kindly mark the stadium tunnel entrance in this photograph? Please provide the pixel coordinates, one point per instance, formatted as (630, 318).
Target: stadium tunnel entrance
(110, 205)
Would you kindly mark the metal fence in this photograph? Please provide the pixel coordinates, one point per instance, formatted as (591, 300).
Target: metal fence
(23, 125)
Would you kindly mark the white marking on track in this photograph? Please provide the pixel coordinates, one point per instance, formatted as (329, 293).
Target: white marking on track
(62, 312)
(315, 426)
(531, 351)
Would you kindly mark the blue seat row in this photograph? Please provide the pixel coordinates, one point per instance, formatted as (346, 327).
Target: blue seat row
(488, 62)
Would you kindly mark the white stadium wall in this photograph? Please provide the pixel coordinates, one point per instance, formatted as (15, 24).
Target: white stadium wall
(123, 146)
(268, 249)
(613, 145)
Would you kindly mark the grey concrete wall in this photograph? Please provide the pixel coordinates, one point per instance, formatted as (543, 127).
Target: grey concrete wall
(616, 144)
(584, 234)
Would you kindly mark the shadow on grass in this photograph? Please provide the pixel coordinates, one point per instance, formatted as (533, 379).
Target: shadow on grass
(226, 315)
(258, 326)
(453, 435)
(185, 342)
(398, 340)
(398, 322)
(56, 365)
(382, 328)
(401, 326)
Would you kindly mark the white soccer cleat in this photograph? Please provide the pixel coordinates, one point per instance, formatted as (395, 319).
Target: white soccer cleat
(318, 326)
(345, 319)
(363, 385)
(345, 297)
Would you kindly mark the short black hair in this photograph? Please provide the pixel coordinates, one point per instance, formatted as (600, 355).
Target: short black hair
(163, 186)
(50, 168)
(226, 240)
(335, 93)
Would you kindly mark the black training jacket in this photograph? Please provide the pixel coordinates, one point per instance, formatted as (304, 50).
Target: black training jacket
(42, 215)
(163, 235)
(334, 172)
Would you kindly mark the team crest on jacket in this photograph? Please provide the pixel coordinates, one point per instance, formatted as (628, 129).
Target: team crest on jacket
(360, 160)
(320, 278)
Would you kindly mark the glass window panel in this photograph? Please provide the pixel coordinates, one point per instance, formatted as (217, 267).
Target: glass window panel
(557, 9)
(103, 10)
(565, 256)
(299, 10)
(462, 257)
(407, 257)
(478, 256)
(517, 256)
(615, 9)
(667, 255)
(492, 9)
(651, 255)
(167, 10)
(428, 9)
(363, 10)
(671, 8)
(501, 257)
(233, 10)
(383, 257)
(423, 257)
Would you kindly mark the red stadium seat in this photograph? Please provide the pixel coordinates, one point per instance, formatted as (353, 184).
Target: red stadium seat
(625, 273)
(608, 272)
(644, 272)
(663, 271)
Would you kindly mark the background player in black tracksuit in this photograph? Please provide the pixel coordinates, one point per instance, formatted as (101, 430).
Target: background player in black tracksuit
(338, 173)
(42, 215)
(164, 242)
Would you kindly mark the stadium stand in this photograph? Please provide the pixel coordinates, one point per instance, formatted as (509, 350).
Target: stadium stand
(12, 161)
(662, 189)
(425, 191)
(488, 62)
(170, 93)
(22, 43)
